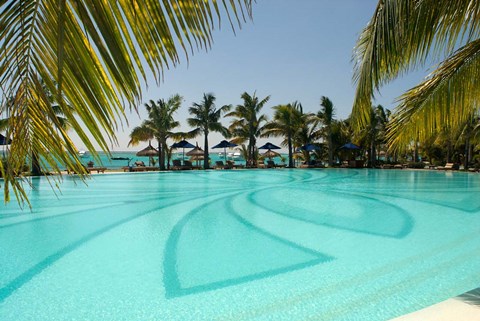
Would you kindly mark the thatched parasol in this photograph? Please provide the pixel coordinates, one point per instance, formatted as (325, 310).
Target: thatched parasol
(270, 154)
(149, 152)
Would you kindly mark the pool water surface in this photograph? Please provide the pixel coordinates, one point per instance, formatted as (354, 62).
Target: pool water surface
(326, 244)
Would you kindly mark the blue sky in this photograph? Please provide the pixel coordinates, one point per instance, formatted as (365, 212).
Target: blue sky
(293, 50)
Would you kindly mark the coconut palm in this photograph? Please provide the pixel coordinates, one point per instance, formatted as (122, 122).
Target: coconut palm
(159, 125)
(35, 145)
(374, 133)
(325, 115)
(404, 34)
(206, 118)
(97, 54)
(248, 125)
(308, 132)
(287, 121)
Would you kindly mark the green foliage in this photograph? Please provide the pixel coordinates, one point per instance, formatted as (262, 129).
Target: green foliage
(247, 124)
(287, 121)
(401, 36)
(159, 125)
(206, 118)
(93, 56)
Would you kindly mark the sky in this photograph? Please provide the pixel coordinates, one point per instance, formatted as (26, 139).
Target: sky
(293, 50)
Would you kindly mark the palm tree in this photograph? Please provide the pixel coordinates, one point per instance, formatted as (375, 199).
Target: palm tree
(287, 120)
(326, 117)
(206, 118)
(374, 132)
(159, 125)
(99, 54)
(401, 35)
(34, 144)
(248, 125)
(308, 132)
(469, 130)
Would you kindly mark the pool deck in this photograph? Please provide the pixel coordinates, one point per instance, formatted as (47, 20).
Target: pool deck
(450, 310)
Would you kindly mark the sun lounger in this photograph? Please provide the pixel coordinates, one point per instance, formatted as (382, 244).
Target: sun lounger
(176, 164)
(138, 169)
(221, 165)
(187, 165)
(233, 165)
(448, 166)
(271, 164)
(261, 164)
(311, 164)
(96, 169)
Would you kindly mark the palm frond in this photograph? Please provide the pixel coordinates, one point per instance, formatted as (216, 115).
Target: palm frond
(447, 98)
(401, 35)
(471, 297)
(89, 55)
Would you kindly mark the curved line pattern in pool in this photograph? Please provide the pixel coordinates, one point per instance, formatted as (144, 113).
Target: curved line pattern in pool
(241, 245)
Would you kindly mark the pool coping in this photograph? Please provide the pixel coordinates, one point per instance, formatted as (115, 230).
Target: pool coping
(456, 309)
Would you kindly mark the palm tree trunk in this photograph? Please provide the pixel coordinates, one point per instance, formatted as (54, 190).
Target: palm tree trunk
(161, 152)
(330, 148)
(251, 152)
(449, 150)
(36, 170)
(205, 152)
(290, 153)
(415, 152)
(373, 155)
(467, 152)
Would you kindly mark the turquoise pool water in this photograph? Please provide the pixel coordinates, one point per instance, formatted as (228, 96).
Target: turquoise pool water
(241, 245)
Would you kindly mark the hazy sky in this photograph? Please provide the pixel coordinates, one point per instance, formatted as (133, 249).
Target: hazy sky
(294, 50)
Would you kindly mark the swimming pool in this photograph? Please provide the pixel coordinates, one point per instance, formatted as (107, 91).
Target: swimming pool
(241, 245)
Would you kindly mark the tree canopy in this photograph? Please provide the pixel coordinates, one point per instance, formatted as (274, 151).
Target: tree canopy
(405, 34)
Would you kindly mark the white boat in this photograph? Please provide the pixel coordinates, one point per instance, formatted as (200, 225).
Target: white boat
(235, 155)
(82, 153)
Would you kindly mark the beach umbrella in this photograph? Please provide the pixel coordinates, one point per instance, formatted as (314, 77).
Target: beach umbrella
(270, 154)
(4, 140)
(310, 147)
(197, 151)
(196, 154)
(148, 151)
(197, 158)
(350, 146)
(183, 144)
(269, 146)
(224, 144)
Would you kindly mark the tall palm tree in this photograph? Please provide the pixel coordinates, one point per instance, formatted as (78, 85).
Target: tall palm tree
(401, 35)
(159, 125)
(206, 118)
(248, 125)
(374, 132)
(287, 121)
(325, 115)
(308, 132)
(99, 54)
